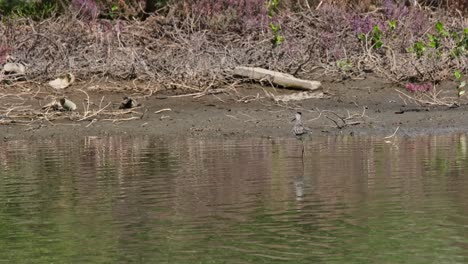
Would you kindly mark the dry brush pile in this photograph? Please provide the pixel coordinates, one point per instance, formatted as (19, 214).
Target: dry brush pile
(202, 49)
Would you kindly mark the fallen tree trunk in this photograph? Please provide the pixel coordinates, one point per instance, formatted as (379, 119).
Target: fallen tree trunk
(282, 79)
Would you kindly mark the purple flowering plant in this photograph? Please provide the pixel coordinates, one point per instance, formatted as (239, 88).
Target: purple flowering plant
(88, 9)
(418, 87)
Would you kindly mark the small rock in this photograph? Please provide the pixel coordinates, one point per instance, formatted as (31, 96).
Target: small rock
(16, 68)
(67, 104)
(62, 82)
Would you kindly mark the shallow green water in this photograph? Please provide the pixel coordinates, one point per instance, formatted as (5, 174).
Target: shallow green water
(144, 200)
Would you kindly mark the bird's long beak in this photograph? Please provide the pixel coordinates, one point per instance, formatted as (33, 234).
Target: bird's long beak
(294, 119)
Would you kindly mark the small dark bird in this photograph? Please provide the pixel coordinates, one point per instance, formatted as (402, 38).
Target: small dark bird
(128, 103)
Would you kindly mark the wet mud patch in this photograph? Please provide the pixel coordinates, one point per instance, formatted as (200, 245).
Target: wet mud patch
(369, 106)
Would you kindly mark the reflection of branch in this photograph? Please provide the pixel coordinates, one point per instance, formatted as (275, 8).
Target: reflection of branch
(392, 135)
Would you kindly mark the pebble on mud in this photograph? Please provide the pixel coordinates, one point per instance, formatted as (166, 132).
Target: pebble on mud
(62, 82)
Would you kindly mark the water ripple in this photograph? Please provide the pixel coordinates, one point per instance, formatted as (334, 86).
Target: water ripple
(348, 200)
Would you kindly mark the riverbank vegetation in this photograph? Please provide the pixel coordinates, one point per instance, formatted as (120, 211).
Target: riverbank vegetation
(195, 44)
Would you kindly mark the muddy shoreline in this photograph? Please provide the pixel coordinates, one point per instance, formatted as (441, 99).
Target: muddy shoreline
(371, 106)
(162, 58)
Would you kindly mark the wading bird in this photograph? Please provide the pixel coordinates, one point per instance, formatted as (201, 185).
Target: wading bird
(299, 130)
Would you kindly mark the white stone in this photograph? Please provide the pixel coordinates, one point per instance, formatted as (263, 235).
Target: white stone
(62, 82)
(17, 68)
(67, 104)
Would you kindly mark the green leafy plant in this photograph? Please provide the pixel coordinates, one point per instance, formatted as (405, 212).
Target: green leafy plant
(114, 11)
(277, 39)
(392, 24)
(361, 36)
(418, 48)
(33, 9)
(461, 84)
(434, 41)
(440, 28)
(344, 65)
(272, 9)
(375, 37)
(461, 43)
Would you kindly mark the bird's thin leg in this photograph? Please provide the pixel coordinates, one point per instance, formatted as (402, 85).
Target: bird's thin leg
(302, 141)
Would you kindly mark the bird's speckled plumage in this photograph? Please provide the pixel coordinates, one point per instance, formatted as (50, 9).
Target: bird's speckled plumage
(298, 129)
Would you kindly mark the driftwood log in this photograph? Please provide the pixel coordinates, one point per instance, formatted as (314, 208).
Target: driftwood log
(282, 79)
